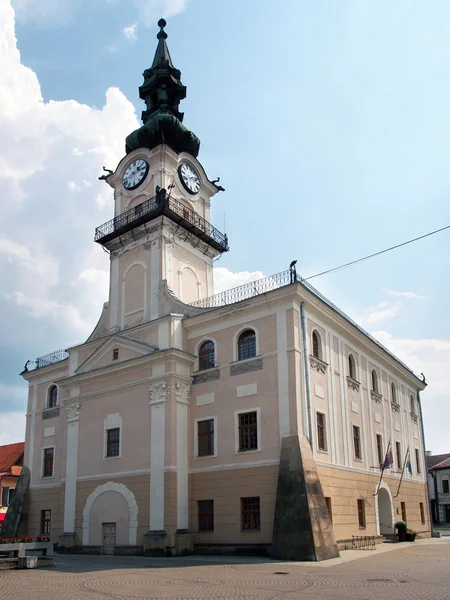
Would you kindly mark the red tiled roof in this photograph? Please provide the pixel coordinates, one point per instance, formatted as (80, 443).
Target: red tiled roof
(445, 464)
(9, 454)
(435, 459)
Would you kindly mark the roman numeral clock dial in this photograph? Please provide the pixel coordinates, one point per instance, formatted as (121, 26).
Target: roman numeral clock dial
(189, 178)
(135, 174)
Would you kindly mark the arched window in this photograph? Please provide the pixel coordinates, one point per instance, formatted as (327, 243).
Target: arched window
(374, 381)
(52, 399)
(412, 404)
(393, 393)
(206, 356)
(351, 366)
(316, 345)
(247, 344)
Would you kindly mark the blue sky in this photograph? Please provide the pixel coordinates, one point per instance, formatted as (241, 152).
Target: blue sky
(328, 123)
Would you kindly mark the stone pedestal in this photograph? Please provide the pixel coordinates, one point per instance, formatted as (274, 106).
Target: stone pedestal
(302, 526)
(156, 544)
(67, 541)
(184, 543)
(27, 562)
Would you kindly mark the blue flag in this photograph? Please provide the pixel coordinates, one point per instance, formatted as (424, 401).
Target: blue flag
(389, 460)
(408, 466)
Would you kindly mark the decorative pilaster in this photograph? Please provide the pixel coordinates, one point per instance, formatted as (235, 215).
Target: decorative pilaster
(73, 412)
(182, 395)
(157, 395)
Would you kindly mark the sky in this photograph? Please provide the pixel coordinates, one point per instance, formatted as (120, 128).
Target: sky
(329, 126)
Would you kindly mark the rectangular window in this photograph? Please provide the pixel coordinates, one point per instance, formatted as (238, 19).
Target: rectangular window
(357, 442)
(248, 431)
(115, 353)
(206, 515)
(113, 442)
(250, 513)
(398, 453)
(422, 513)
(328, 503)
(47, 470)
(380, 456)
(321, 436)
(445, 488)
(403, 507)
(11, 495)
(417, 461)
(46, 520)
(361, 513)
(205, 437)
(5, 496)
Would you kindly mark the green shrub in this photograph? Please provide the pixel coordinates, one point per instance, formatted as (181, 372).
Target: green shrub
(401, 526)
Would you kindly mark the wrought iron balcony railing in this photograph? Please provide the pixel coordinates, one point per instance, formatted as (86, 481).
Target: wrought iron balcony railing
(150, 209)
(52, 358)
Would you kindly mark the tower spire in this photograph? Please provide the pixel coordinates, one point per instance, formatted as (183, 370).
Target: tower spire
(162, 92)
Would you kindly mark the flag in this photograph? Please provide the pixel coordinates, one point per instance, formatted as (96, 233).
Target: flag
(389, 460)
(408, 466)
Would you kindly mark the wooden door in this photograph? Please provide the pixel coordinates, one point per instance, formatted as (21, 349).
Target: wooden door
(109, 538)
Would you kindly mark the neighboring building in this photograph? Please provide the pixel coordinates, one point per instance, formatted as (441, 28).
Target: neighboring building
(438, 468)
(11, 461)
(164, 428)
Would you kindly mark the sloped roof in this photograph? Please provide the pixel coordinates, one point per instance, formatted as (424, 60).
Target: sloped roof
(9, 454)
(445, 464)
(434, 461)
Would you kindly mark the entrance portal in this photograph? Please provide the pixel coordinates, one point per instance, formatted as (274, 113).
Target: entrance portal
(385, 517)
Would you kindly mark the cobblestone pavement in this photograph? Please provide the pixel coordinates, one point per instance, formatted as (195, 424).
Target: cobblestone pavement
(408, 571)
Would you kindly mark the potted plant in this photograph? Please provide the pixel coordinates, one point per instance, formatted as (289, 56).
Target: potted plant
(401, 528)
(410, 535)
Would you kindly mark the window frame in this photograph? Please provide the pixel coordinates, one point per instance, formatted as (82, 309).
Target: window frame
(43, 476)
(199, 359)
(112, 421)
(374, 381)
(49, 401)
(329, 507)
(355, 455)
(351, 366)
(412, 404)
(316, 346)
(196, 422)
(361, 509)
(207, 514)
(44, 521)
(324, 431)
(418, 465)
(237, 413)
(393, 389)
(398, 455)
(422, 512)
(403, 511)
(252, 512)
(115, 354)
(108, 442)
(448, 486)
(380, 450)
(236, 347)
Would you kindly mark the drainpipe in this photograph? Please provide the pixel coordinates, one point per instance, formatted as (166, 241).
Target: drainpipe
(425, 463)
(307, 383)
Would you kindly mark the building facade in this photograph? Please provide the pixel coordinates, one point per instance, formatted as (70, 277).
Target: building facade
(11, 461)
(162, 432)
(438, 469)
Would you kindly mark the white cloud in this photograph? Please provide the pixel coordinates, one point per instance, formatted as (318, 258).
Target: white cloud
(408, 295)
(130, 32)
(377, 314)
(225, 279)
(12, 427)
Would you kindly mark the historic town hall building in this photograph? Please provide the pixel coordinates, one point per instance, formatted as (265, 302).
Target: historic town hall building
(257, 419)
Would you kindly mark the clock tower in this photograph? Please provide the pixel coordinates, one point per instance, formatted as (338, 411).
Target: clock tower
(161, 230)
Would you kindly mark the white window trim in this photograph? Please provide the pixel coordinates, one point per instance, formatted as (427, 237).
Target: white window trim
(206, 338)
(112, 421)
(442, 485)
(358, 458)
(235, 342)
(236, 429)
(196, 422)
(42, 463)
(322, 450)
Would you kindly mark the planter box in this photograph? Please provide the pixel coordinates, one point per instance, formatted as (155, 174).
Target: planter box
(410, 537)
(30, 549)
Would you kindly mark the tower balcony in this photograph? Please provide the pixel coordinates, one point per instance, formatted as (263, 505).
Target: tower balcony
(160, 205)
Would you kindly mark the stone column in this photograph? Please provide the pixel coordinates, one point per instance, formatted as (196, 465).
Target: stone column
(183, 538)
(155, 541)
(73, 412)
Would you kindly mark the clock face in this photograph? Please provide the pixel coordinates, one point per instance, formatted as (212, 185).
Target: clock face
(189, 178)
(135, 174)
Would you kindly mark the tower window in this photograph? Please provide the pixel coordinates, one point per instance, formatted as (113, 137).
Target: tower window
(316, 345)
(52, 400)
(374, 381)
(351, 366)
(206, 356)
(247, 345)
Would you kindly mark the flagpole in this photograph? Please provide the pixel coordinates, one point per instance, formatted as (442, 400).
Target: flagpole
(383, 468)
(403, 471)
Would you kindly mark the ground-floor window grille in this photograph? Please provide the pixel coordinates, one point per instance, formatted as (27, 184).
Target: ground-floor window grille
(206, 515)
(251, 517)
(46, 521)
(361, 513)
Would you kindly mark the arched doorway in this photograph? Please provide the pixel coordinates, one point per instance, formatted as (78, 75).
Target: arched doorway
(385, 512)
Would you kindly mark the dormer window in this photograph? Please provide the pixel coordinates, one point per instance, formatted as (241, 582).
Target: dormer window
(115, 353)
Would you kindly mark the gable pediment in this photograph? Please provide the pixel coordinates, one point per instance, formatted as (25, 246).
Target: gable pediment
(105, 356)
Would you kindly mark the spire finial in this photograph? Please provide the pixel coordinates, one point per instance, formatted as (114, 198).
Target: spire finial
(162, 35)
